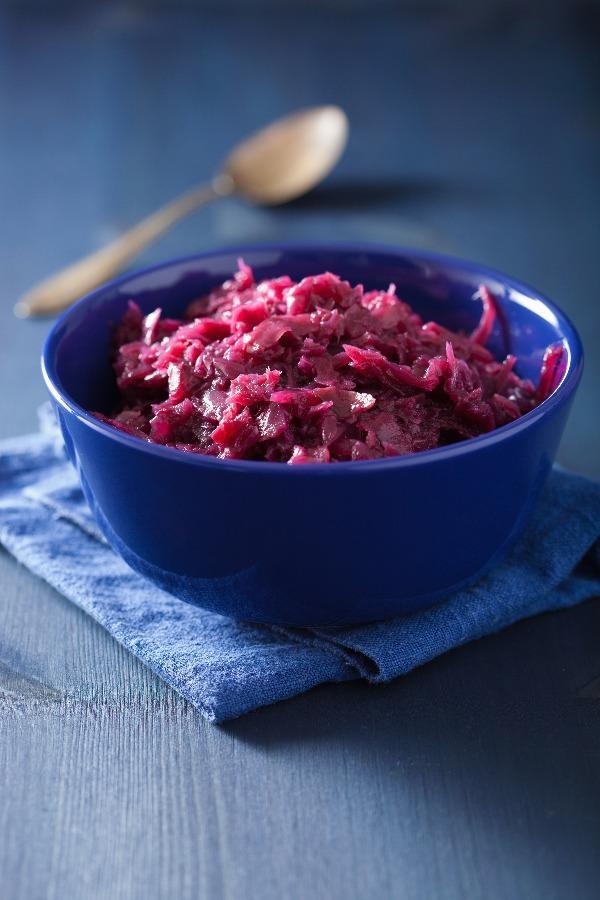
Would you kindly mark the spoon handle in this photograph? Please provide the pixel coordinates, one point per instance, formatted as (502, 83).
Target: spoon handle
(62, 289)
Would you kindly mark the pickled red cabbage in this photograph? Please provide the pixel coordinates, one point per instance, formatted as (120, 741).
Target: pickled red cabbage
(309, 372)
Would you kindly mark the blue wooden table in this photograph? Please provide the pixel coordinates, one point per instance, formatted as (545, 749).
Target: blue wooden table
(476, 776)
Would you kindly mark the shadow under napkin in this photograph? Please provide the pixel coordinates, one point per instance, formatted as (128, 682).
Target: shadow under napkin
(226, 668)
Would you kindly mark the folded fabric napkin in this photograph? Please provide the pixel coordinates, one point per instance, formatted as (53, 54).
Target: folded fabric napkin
(226, 668)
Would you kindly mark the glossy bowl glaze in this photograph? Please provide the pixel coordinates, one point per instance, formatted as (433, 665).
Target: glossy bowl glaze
(332, 544)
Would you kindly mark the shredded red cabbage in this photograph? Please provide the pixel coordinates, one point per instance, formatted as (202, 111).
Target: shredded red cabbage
(311, 372)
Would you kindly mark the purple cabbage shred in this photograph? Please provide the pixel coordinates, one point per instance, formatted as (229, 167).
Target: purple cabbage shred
(312, 372)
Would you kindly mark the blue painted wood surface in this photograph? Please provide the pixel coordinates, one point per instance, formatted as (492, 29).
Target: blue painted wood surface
(476, 776)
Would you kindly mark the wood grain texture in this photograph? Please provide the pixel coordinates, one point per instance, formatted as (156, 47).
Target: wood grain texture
(479, 769)
(477, 776)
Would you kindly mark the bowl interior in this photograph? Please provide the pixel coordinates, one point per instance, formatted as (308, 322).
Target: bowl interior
(78, 351)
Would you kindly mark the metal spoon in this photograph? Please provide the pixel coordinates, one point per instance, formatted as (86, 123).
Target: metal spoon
(275, 165)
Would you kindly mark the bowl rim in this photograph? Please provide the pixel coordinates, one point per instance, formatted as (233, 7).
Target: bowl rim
(565, 388)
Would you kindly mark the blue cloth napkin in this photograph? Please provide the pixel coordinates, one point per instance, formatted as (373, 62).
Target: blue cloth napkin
(227, 668)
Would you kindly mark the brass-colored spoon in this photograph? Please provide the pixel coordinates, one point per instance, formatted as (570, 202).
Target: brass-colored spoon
(275, 165)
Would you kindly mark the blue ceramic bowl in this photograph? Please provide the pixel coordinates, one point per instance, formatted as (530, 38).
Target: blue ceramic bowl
(306, 545)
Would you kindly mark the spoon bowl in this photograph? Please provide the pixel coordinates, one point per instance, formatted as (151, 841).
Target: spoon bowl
(289, 157)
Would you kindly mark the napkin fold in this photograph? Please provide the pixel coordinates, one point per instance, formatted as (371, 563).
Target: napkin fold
(227, 668)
